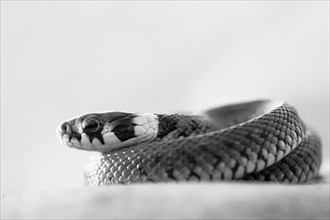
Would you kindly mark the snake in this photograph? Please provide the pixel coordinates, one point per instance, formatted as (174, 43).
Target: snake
(260, 140)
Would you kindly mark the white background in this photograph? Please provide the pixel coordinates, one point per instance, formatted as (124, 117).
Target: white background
(64, 59)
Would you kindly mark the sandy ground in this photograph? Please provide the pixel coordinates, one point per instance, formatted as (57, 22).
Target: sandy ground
(239, 200)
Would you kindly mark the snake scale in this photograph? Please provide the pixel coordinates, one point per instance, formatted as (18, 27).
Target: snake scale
(262, 140)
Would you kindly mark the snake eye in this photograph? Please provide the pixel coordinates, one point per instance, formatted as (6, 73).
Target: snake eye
(91, 124)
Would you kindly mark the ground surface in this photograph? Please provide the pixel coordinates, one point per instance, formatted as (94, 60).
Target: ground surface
(152, 201)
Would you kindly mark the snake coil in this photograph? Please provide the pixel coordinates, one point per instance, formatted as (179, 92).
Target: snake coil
(262, 140)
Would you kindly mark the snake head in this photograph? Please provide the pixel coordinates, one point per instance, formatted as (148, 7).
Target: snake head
(108, 131)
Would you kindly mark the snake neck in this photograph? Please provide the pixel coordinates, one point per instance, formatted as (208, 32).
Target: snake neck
(177, 126)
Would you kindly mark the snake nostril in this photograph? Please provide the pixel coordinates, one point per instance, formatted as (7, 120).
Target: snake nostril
(64, 126)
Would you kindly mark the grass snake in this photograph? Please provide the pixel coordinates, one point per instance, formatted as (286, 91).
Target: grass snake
(262, 140)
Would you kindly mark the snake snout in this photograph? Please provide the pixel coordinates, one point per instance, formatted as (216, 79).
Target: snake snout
(69, 127)
(67, 131)
(65, 128)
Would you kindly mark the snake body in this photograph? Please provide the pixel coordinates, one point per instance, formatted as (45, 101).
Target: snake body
(262, 140)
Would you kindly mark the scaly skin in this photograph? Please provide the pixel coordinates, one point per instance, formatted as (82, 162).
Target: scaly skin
(261, 140)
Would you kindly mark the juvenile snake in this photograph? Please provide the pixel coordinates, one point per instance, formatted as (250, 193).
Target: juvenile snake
(260, 140)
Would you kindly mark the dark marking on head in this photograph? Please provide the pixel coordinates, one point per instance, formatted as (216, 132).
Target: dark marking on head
(123, 127)
(123, 132)
(112, 116)
(123, 122)
(98, 136)
(78, 136)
